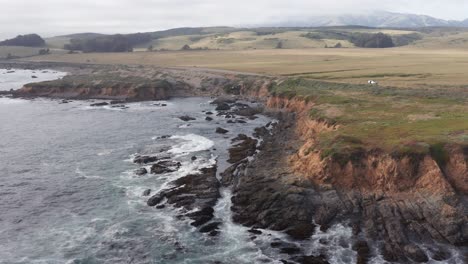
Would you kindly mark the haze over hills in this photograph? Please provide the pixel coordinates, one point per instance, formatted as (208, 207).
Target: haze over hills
(382, 19)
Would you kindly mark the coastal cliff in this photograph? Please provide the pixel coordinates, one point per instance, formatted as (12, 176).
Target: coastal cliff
(404, 206)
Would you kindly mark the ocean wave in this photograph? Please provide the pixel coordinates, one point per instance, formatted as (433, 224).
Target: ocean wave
(191, 143)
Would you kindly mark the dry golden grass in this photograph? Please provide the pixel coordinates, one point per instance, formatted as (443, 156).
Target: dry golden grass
(400, 67)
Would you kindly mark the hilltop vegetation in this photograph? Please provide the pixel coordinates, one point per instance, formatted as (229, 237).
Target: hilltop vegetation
(112, 43)
(30, 40)
(394, 119)
(238, 39)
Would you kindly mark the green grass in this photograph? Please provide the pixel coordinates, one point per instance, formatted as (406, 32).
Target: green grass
(392, 119)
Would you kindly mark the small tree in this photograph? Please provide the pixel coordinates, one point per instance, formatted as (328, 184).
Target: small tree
(279, 45)
(150, 48)
(186, 47)
(44, 51)
(338, 45)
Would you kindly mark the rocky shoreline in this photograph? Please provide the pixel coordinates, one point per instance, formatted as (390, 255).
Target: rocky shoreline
(406, 209)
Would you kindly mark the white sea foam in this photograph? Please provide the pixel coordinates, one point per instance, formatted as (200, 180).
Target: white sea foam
(338, 240)
(191, 143)
(10, 101)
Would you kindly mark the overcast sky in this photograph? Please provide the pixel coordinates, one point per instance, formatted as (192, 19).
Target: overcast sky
(54, 17)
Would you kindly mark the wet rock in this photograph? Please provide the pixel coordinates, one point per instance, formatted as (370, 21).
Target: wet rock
(210, 227)
(209, 113)
(186, 118)
(161, 206)
(100, 104)
(223, 100)
(230, 122)
(147, 159)
(223, 107)
(116, 102)
(301, 231)
(363, 252)
(261, 132)
(64, 102)
(321, 259)
(208, 118)
(161, 169)
(191, 192)
(155, 200)
(243, 149)
(201, 217)
(147, 192)
(255, 231)
(440, 254)
(220, 130)
(141, 171)
(247, 111)
(34, 77)
(193, 158)
(240, 121)
(290, 250)
(415, 253)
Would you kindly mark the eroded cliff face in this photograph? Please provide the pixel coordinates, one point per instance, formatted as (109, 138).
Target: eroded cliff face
(373, 171)
(405, 207)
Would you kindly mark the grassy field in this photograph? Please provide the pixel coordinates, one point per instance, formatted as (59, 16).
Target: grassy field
(398, 67)
(394, 119)
(23, 52)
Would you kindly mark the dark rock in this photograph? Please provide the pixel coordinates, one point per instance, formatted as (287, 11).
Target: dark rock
(213, 233)
(255, 231)
(363, 252)
(440, 254)
(290, 250)
(34, 77)
(161, 206)
(193, 158)
(208, 118)
(321, 259)
(223, 107)
(230, 122)
(223, 100)
(194, 191)
(155, 199)
(100, 104)
(243, 149)
(210, 227)
(241, 121)
(141, 171)
(415, 253)
(186, 118)
(116, 102)
(147, 159)
(301, 231)
(209, 113)
(220, 130)
(161, 169)
(147, 192)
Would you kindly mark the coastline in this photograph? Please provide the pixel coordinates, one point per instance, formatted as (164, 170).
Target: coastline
(285, 188)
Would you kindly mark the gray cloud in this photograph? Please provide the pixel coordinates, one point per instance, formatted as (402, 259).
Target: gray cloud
(52, 17)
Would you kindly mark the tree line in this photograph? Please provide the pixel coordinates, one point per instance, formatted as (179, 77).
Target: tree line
(30, 40)
(108, 43)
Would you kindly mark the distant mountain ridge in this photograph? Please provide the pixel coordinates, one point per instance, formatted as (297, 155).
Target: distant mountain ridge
(379, 19)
